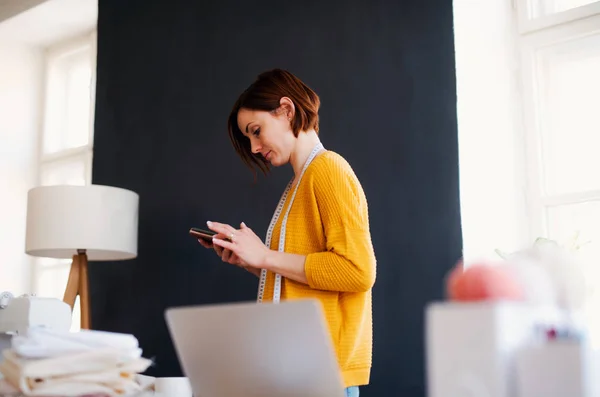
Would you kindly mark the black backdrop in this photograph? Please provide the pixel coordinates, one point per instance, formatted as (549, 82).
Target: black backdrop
(168, 74)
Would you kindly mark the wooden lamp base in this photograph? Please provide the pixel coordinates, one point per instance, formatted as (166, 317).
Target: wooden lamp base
(78, 285)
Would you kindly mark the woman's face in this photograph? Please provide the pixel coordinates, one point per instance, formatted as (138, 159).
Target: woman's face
(270, 133)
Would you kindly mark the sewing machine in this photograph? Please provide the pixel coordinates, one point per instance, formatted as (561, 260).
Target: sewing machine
(27, 311)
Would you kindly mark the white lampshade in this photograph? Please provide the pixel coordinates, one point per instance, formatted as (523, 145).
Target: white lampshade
(102, 220)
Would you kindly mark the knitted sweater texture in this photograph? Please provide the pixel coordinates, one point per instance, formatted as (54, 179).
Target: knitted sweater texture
(329, 223)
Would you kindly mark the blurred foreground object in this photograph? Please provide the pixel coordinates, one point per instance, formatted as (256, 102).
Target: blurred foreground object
(511, 328)
(44, 362)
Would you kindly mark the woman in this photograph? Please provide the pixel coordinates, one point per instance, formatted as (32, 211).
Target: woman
(318, 244)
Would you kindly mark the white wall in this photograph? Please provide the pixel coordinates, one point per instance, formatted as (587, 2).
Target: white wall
(491, 143)
(21, 82)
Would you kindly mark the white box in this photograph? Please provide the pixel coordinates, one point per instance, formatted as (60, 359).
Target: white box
(470, 346)
(559, 368)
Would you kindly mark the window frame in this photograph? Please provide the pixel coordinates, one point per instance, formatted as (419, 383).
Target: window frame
(528, 24)
(536, 35)
(53, 54)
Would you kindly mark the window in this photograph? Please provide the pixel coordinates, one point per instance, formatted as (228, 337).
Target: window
(66, 144)
(560, 62)
(541, 8)
(536, 15)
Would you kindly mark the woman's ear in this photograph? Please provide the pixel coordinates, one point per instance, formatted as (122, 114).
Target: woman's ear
(287, 107)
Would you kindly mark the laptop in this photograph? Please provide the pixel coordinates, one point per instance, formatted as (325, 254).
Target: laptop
(256, 350)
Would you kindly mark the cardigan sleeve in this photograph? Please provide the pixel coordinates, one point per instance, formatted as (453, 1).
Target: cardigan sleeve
(348, 264)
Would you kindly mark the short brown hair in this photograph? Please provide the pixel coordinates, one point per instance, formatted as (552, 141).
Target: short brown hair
(265, 94)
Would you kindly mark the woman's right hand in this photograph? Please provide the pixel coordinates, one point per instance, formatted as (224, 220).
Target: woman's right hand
(228, 256)
(222, 253)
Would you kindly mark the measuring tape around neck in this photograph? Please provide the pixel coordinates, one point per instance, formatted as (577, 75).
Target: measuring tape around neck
(274, 219)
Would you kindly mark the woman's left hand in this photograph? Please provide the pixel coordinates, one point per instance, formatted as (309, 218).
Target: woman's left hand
(245, 244)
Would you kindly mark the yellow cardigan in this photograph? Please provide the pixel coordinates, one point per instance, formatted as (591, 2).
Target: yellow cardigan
(329, 223)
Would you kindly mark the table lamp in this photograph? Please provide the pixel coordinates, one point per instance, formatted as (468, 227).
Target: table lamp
(85, 223)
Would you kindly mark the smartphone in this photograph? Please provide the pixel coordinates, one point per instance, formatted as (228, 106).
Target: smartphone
(206, 235)
(203, 234)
